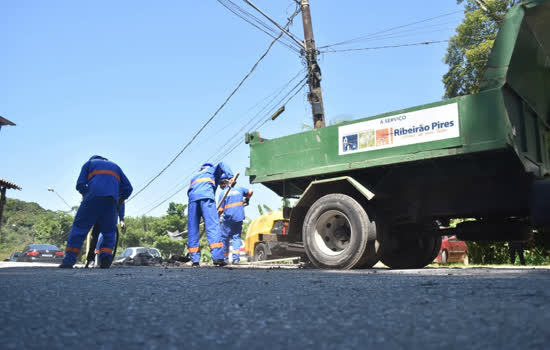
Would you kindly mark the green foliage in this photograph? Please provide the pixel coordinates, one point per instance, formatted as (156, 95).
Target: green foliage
(262, 208)
(469, 48)
(168, 247)
(494, 253)
(24, 223)
(485, 253)
(53, 228)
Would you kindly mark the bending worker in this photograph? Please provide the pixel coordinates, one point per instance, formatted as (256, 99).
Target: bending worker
(233, 216)
(104, 188)
(202, 204)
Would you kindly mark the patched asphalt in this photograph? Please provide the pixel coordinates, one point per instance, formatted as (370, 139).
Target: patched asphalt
(238, 308)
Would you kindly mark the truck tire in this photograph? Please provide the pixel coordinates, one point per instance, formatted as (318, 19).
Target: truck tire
(260, 252)
(406, 252)
(338, 234)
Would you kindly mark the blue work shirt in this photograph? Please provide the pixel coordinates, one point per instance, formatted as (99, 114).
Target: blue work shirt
(100, 177)
(233, 204)
(204, 183)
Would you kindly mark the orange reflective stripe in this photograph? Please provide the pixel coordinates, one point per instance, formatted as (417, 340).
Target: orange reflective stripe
(203, 179)
(106, 250)
(225, 254)
(232, 205)
(216, 245)
(72, 250)
(194, 249)
(96, 251)
(104, 172)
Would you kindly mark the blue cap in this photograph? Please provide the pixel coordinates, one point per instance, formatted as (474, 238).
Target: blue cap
(206, 164)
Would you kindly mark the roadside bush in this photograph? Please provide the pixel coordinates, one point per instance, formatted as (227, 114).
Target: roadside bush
(485, 253)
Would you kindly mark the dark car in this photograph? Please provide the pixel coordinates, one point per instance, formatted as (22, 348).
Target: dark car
(41, 253)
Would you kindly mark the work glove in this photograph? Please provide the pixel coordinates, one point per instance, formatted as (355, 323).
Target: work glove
(246, 201)
(123, 226)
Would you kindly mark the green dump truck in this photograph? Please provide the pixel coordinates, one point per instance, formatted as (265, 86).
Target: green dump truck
(384, 188)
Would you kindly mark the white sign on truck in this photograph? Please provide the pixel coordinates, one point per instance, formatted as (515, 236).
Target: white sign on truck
(432, 124)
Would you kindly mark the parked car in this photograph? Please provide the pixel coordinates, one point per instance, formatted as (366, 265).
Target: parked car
(452, 250)
(13, 257)
(138, 256)
(41, 253)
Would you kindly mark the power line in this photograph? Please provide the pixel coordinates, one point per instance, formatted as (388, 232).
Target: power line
(410, 33)
(262, 111)
(261, 123)
(388, 46)
(232, 145)
(210, 119)
(221, 107)
(267, 29)
(388, 30)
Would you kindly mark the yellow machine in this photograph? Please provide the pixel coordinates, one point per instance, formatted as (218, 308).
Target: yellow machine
(267, 238)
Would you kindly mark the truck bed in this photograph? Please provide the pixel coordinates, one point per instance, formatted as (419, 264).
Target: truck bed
(501, 130)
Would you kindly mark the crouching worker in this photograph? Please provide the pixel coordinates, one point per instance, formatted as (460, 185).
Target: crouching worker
(232, 208)
(202, 204)
(104, 188)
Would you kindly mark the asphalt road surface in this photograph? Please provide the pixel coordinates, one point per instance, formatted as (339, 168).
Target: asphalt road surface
(236, 308)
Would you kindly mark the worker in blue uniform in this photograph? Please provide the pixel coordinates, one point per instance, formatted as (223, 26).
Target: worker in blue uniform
(232, 209)
(104, 188)
(202, 204)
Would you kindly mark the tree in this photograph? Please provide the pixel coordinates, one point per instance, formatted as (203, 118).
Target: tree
(467, 57)
(53, 228)
(168, 247)
(263, 207)
(469, 48)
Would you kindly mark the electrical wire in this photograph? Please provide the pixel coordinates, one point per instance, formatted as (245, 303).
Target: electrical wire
(218, 156)
(271, 97)
(388, 30)
(262, 122)
(214, 115)
(264, 111)
(210, 119)
(410, 33)
(261, 25)
(387, 46)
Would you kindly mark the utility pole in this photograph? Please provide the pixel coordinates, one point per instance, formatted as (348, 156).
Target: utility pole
(315, 95)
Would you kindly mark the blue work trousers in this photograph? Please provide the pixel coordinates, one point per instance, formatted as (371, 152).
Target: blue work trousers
(231, 230)
(205, 208)
(101, 210)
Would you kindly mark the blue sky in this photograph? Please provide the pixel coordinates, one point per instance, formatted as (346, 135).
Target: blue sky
(134, 80)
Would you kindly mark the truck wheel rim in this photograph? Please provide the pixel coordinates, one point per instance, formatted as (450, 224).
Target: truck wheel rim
(332, 232)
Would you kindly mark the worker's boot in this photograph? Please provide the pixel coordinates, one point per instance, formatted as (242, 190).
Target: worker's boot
(63, 266)
(105, 263)
(195, 264)
(219, 262)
